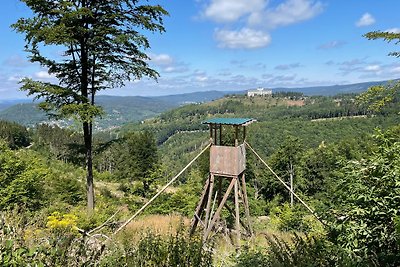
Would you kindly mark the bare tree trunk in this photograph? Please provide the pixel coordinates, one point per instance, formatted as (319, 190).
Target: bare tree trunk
(89, 166)
(87, 126)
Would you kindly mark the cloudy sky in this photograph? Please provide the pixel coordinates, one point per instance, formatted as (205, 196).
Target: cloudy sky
(242, 44)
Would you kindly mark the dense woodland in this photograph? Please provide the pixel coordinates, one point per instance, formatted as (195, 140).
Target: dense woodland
(67, 195)
(346, 166)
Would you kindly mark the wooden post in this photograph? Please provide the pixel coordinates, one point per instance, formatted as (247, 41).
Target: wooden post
(199, 208)
(246, 204)
(211, 134)
(236, 135)
(215, 134)
(237, 213)
(210, 192)
(217, 213)
(220, 134)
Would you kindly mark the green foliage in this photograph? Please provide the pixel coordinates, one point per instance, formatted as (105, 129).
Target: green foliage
(68, 190)
(298, 252)
(14, 134)
(57, 143)
(386, 36)
(380, 96)
(156, 250)
(21, 179)
(140, 155)
(134, 157)
(366, 200)
(102, 49)
(283, 162)
(23, 244)
(377, 97)
(183, 199)
(285, 218)
(59, 244)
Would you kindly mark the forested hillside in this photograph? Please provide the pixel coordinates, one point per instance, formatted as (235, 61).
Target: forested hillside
(119, 110)
(345, 160)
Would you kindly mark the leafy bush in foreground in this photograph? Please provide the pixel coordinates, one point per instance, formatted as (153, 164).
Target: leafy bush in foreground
(298, 252)
(60, 244)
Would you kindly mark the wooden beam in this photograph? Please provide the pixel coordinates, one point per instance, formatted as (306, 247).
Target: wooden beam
(220, 134)
(237, 213)
(218, 212)
(209, 200)
(236, 135)
(246, 203)
(215, 134)
(199, 208)
(219, 189)
(211, 133)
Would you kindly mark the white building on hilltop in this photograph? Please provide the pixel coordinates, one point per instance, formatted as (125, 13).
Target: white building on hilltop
(259, 92)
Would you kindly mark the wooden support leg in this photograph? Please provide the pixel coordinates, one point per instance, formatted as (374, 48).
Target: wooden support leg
(218, 211)
(209, 200)
(244, 225)
(237, 213)
(200, 207)
(246, 204)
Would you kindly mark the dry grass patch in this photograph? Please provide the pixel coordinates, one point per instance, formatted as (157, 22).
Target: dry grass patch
(160, 224)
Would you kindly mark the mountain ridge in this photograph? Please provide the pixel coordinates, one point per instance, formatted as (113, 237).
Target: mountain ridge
(123, 109)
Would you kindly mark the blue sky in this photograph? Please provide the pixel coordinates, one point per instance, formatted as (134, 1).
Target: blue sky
(242, 44)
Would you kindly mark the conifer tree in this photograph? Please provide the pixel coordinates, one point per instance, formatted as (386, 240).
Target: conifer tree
(103, 45)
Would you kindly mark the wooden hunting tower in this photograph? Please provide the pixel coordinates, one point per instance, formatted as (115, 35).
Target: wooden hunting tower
(227, 169)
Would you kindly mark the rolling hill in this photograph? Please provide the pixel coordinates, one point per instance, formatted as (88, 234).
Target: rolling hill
(122, 109)
(118, 109)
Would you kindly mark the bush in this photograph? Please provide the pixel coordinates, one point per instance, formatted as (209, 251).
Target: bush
(366, 203)
(21, 176)
(156, 250)
(285, 218)
(298, 252)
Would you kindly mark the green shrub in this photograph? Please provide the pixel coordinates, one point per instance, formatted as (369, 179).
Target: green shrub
(21, 178)
(298, 252)
(365, 203)
(285, 218)
(157, 250)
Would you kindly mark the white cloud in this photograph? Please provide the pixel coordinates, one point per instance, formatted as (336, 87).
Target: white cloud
(366, 20)
(161, 59)
(289, 12)
(393, 30)
(245, 38)
(201, 78)
(15, 78)
(43, 75)
(255, 17)
(395, 70)
(167, 63)
(372, 68)
(230, 11)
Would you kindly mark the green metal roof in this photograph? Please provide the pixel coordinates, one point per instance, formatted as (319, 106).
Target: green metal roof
(230, 121)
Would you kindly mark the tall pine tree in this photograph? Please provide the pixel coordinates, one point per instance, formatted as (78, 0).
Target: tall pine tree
(103, 47)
